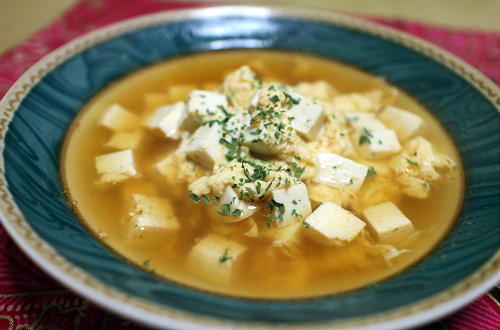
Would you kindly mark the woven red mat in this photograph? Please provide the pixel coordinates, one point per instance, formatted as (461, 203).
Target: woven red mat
(30, 299)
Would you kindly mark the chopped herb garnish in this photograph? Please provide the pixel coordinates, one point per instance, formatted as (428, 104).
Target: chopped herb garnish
(411, 162)
(146, 262)
(295, 214)
(350, 182)
(272, 205)
(194, 197)
(365, 137)
(226, 210)
(274, 98)
(269, 185)
(294, 202)
(371, 172)
(296, 170)
(425, 185)
(294, 101)
(306, 225)
(237, 213)
(225, 257)
(205, 200)
(257, 187)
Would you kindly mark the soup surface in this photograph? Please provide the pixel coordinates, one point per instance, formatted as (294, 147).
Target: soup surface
(356, 183)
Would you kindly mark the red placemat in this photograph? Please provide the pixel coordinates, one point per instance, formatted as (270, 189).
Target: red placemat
(30, 299)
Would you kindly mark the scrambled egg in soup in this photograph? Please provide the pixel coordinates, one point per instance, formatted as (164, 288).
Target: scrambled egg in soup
(268, 175)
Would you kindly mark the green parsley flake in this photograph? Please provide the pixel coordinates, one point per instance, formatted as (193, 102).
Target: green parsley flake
(411, 162)
(371, 172)
(294, 101)
(146, 262)
(225, 257)
(194, 197)
(365, 137)
(274, 98)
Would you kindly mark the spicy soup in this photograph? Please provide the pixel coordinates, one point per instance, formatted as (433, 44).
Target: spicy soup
(335, 180)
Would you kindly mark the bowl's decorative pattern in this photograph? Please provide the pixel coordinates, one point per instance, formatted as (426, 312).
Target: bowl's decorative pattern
(39, 109)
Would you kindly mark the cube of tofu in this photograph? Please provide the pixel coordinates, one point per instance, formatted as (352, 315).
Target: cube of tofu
(238, 209)
(124, 139)
(204, 147)
(152, 213)
(204, 105)
(118, 118)
(331, 224)
(389, 224)
(170, 120)
(116, 166)
(213, 258)
(403, 122)
(309, 116)
(340, 172)
(377, 144)
(296, 205)
(364, 120)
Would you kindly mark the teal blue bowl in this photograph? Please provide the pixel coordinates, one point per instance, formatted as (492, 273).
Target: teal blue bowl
(37, 111)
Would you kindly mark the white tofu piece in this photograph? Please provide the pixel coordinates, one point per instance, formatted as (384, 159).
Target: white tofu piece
(213, 258)
(152, 213)
(245, 209)
(170, 120)
(309, 116)
(382, 144)
(364, 120)
(124, 139)
(339, 172)
(284, 236)
(297, 205)
(118, 118)
(203, 146)
(116, 166)
(389, 224)
(204, 105)
(331, 224)
(403, 122)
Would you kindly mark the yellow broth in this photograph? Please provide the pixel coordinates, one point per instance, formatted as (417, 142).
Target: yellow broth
(262, 272)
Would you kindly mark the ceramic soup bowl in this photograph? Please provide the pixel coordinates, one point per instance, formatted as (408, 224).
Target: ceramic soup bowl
(38, 110)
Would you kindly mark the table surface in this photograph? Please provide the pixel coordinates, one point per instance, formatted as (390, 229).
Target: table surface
(23, 17)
